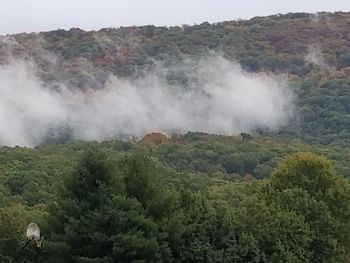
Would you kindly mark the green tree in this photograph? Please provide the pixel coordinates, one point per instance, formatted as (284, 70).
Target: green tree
(307, 185)
(95, 220)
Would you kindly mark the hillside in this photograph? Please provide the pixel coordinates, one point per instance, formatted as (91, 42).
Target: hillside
(291, 43)
(313, 50)
(279, 43)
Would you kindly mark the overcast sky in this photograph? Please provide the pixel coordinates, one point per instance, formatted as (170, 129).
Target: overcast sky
(43, 15)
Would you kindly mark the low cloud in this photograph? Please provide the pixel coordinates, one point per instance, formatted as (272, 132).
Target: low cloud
(217, 96)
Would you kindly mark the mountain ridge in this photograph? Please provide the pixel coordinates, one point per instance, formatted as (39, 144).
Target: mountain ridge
(313, 51)
(278, 43)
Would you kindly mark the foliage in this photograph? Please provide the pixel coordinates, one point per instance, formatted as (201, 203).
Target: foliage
(192, 197)
(116, 207)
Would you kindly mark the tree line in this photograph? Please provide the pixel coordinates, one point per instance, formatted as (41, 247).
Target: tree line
(127, 209)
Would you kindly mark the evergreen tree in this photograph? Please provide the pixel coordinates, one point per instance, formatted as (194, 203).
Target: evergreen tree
(96, 220)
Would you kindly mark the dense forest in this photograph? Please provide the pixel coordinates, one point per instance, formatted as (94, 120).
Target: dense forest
(118, 202)
(267, 196)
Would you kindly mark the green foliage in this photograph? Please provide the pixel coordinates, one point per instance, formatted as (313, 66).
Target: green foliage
(102, 215)
(114, 207)
(142, 182)
(14, 219)
(306, 171)
(307, 185)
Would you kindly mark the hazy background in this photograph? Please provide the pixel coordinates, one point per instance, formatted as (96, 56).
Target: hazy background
(43, 15)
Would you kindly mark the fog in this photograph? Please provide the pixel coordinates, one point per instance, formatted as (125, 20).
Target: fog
(218, 97)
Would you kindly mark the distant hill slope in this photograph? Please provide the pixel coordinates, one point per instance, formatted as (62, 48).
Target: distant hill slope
(295, 43)
(314, 50)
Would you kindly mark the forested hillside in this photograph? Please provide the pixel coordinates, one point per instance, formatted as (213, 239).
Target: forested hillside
(313, 50)
(296, 43)
(270, 195)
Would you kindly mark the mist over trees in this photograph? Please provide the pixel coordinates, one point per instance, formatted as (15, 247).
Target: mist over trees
(245, 156)
(309, 51)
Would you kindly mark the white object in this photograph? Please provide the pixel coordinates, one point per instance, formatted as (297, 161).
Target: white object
(33, 232)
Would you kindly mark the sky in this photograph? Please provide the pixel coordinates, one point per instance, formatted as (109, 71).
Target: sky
(43, 15)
